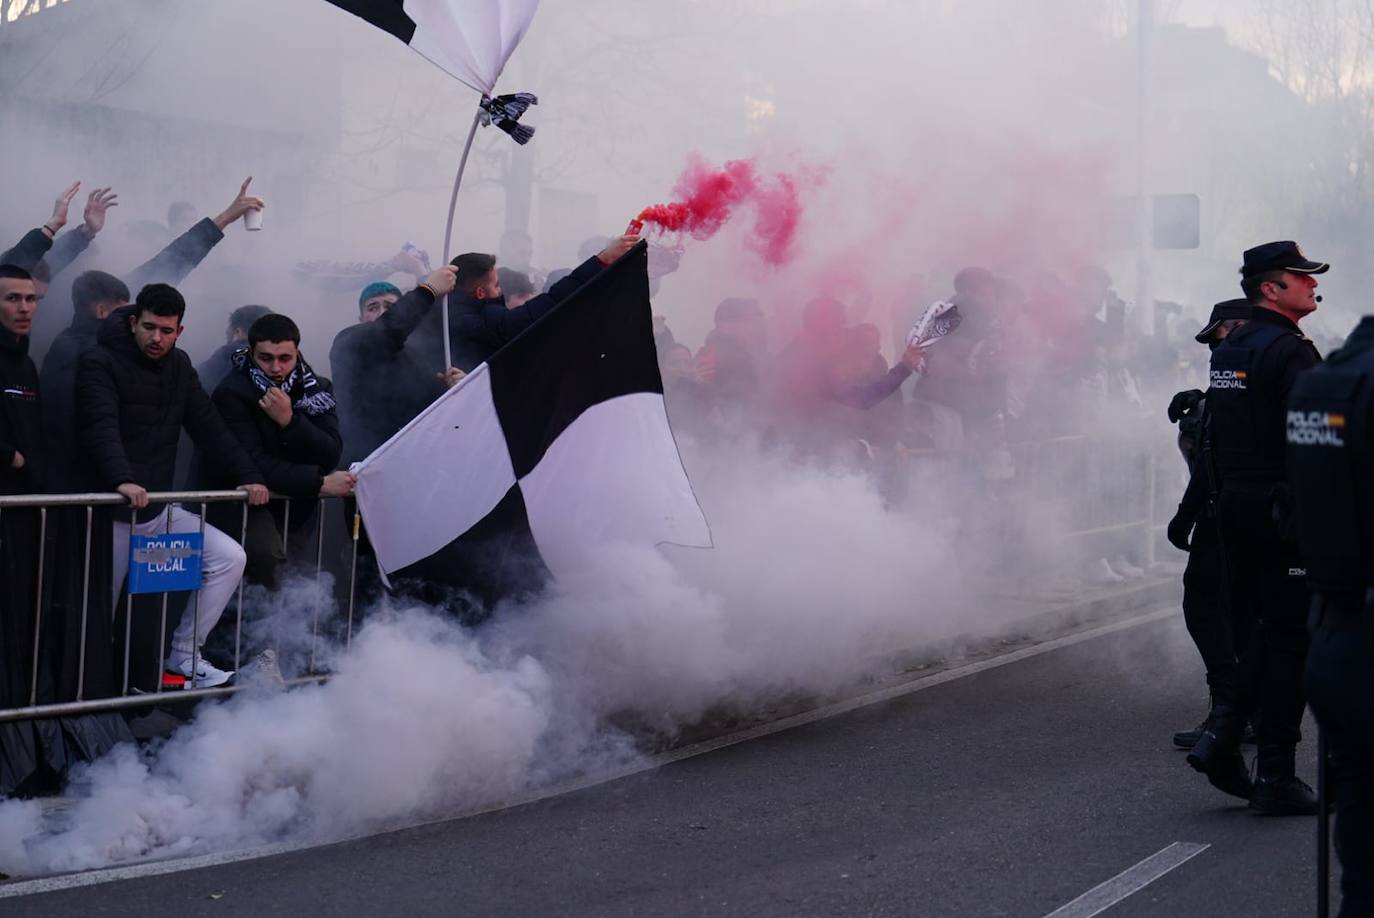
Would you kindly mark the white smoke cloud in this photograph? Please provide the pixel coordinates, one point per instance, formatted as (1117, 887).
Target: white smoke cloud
(413, 718)
(420, 717)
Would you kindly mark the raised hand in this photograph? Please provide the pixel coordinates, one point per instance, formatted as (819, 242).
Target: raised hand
(442, 281)
(619, 245)
(59, 209)
(98, 204)
(241, 204)
(914, 358)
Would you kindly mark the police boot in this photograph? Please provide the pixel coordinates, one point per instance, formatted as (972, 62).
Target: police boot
(1217, 754)
(1187, 739)
(1278, 790)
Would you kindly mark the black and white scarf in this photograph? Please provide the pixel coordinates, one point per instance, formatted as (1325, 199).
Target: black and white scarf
(301, 386)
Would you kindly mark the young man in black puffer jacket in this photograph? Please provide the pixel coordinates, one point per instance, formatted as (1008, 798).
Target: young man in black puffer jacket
(284, 416)
(35, 755)
(135, 391)
(95, 295)
(22, 762)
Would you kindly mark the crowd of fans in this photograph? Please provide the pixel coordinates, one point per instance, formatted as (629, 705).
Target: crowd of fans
(111, 407)
(1022, 366)
(115, 400)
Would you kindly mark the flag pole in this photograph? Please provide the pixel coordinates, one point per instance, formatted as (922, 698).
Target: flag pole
(448, 227)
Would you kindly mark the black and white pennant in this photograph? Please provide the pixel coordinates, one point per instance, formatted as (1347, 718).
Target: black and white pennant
(554, 448)
(470, 39)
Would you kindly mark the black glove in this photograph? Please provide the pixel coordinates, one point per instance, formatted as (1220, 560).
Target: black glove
(1180, 530)
(1183, 404)
(1284, 518)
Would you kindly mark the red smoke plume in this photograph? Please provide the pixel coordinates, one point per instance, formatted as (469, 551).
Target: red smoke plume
(707, 198)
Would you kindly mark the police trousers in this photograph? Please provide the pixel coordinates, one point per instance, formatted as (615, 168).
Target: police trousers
(1340, 681)
(1267, 583)
(1221, 634)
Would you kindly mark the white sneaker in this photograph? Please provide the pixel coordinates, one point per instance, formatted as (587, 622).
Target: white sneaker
(207, 675)
(1123, 566)
(1100, 573)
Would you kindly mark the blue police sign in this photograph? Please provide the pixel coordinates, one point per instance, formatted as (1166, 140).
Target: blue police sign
(167, 563)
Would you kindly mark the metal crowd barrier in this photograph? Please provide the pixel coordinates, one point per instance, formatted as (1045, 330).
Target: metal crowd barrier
(1105, 489)
(126, 699)
(1094, 483)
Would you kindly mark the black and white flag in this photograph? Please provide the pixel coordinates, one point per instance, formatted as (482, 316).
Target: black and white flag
(469, 39)
(555, 447)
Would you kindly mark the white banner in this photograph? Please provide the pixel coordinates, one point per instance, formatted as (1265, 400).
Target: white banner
(470, 39)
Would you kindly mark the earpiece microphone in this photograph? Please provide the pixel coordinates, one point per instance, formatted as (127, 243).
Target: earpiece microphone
(1283, 285)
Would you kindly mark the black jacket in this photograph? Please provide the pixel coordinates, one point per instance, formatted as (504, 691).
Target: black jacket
(21, 424)
(480, 328)
(293, 459)
(58, 378)
(216, 367)
(1247, 423)
(379, 384)
(178, 258)
(57, 253)
(58, 381)
(1286, 358)
(130, 411)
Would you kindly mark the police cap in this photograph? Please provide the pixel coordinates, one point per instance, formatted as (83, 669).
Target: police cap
(1222, 312)
(1280, 256)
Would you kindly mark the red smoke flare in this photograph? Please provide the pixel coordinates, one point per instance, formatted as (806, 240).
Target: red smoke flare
(707, 198)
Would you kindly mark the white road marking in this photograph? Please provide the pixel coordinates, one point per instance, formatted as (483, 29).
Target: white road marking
(1103, 896)
(918, 684)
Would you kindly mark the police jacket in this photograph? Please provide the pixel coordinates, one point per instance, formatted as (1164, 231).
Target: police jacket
(1330, 435)
(480, 328)
(379, 384)
(1252, 373)
(130, 411)
(21, 427)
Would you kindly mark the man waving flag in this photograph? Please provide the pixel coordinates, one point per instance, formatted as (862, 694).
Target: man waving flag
(555, 447)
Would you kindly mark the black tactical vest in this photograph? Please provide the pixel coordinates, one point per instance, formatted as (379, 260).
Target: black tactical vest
(1245, 419)
(1331, 470)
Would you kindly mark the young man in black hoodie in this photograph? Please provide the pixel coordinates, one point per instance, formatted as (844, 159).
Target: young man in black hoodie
(21, 447)
(21, 472)
(135, 391)
(34, 755)
(284, 416)
(95, 296)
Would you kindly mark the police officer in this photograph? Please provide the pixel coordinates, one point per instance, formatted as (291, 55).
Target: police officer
(1331, 470)
(1252, 374)
(1194, 530)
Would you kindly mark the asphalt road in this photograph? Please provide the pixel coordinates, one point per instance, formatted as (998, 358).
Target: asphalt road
(1009, 792)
